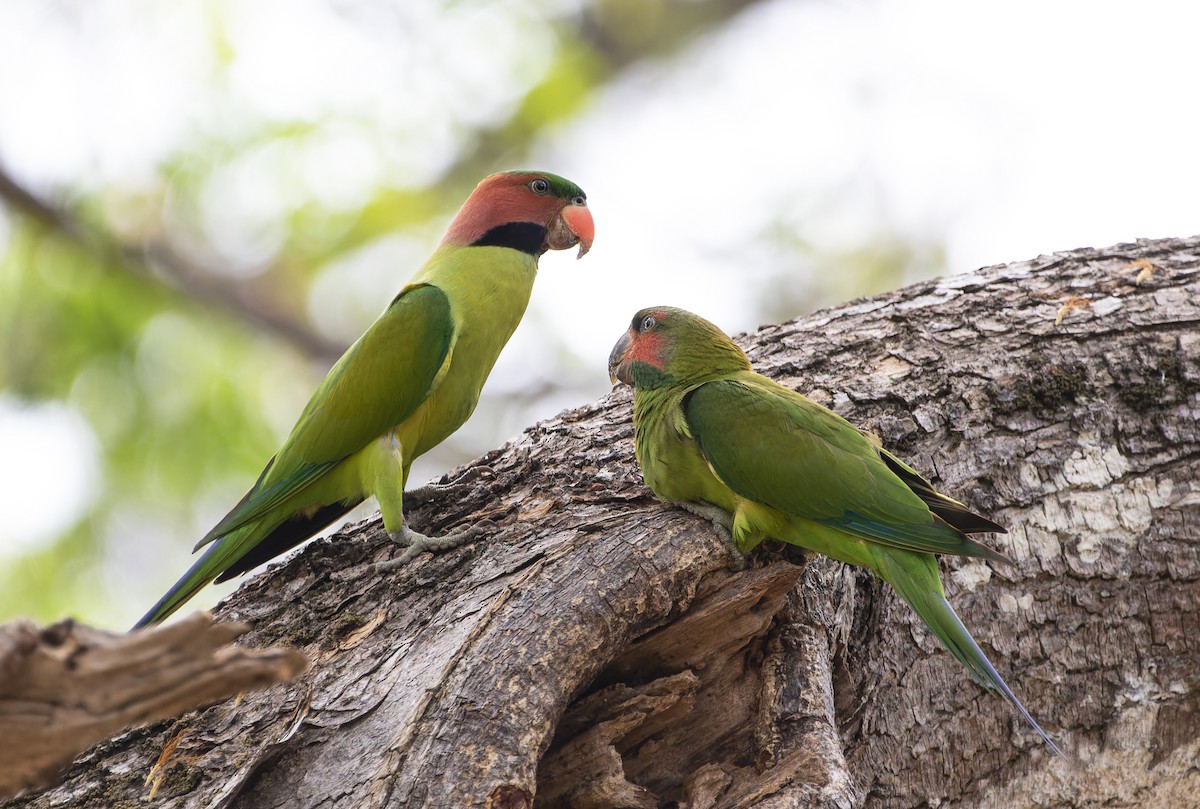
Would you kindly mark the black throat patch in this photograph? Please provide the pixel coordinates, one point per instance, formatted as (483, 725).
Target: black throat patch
(528, 237)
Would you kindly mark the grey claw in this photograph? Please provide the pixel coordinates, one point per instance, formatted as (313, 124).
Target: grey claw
(721, 520)
(418, 543)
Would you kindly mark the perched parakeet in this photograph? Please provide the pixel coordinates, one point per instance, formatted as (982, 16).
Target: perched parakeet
(761, 460)
(409, 382)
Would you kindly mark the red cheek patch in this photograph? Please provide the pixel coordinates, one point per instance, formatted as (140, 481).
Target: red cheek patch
(650, 349)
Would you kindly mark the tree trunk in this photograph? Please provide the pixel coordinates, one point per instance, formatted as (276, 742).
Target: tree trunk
(598, 649)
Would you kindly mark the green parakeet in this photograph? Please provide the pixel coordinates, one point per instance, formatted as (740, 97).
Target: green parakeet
(761, 460)
(409, 382)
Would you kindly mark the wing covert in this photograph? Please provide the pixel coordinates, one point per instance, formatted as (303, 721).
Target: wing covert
(376, 384)
(773, 446)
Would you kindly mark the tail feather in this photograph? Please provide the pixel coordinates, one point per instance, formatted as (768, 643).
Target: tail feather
(288, 534)
(922, 590)
(198, 576)
(243, 550)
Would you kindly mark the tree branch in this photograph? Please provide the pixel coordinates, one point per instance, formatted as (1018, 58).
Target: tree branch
(613, 49)
(68, 686)
(161, 265)
(596, 649)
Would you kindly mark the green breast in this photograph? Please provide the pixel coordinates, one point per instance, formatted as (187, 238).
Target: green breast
(489, 289)
(672, 464)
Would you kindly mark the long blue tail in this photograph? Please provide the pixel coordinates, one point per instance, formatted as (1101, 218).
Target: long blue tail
(921, 587)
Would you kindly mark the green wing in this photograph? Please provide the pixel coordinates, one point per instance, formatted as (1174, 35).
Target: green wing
(774, 446)
(377, 384)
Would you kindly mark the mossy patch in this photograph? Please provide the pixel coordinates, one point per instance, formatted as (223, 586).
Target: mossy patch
(346, 623)
(180, 779)
(303, 633)
(1043, 390)
(1153, 381)
(114, 794)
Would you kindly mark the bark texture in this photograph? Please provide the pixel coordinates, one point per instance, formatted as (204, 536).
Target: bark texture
(68, 686)
(600, 650)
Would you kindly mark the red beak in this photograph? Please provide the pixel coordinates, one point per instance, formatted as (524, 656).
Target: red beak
(578, 219)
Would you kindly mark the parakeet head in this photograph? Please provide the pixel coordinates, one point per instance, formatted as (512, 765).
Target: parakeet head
(531, 211)
(669, 346)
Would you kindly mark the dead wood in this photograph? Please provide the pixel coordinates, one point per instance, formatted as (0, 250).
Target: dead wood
(67, 686)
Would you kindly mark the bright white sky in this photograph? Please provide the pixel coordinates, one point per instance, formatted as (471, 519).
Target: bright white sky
(1005, 130)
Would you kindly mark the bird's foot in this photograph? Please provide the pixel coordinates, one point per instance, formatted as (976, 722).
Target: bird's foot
(417, 543)
(721, 520)
(415, 498)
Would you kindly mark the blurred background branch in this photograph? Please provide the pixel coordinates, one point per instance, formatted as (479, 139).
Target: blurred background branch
(204, 202)
(160, 264)
(170, 294)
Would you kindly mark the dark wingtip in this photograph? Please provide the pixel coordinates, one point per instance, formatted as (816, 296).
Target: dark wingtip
(993, 555)
(970, 522)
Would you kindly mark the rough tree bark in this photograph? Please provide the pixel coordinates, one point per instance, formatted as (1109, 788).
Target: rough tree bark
(601, 650)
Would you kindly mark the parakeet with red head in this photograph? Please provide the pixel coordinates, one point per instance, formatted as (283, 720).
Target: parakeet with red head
(763, 461)
(409, 382)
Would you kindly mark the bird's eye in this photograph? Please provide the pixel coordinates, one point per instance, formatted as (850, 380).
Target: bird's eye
(648, 323)
(539, 186)
(579, 200)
